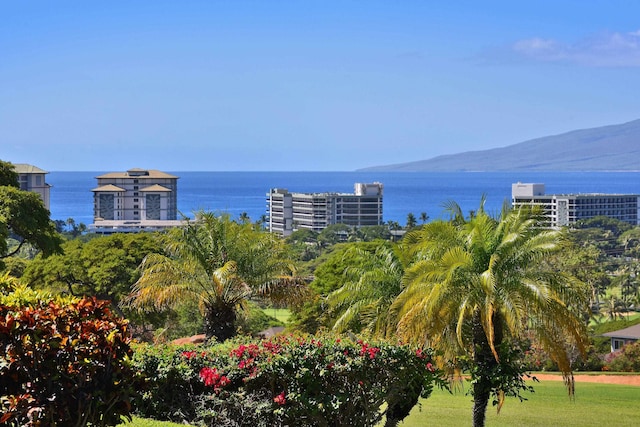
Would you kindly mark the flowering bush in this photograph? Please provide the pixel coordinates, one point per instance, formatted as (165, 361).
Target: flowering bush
(64, 364)
(626, 359)
(296, 380)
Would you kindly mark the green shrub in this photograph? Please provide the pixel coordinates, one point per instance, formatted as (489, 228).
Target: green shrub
(626, 359)
(288, 380)
(64, 364)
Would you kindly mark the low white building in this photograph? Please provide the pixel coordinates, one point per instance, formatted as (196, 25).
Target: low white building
(32, 178)
(135, 200)
(288, 212)
(566, 209)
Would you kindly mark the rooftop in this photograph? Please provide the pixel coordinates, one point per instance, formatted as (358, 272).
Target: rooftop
(632, 332)
(138, 173)
(26, 168)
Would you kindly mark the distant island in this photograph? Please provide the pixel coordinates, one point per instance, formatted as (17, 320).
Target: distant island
(606, 148)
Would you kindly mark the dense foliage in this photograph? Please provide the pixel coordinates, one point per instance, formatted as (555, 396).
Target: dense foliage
(64, 364)
(24, 217)
(473, 287)
(104, 267)
(220, 264)
(288, 380)
(627, 359)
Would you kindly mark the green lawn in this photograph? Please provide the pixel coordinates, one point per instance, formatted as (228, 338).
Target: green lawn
(594, 405)
(141, 422)
(282, 314)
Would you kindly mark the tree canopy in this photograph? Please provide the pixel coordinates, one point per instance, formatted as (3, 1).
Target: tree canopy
(24, 217)
(474, 289)
(220, 264)
(104, 267)
(478, 286)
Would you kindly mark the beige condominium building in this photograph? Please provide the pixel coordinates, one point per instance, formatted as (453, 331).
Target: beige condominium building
(566, 209)
(288, 212)
(135, 200)
(32, 178)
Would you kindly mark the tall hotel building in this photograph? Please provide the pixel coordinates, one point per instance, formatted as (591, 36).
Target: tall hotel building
(135, 200)
(32, 178)
(288, 212)
(566, 209)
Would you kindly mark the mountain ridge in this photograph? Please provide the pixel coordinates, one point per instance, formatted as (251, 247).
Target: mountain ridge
(605, 148)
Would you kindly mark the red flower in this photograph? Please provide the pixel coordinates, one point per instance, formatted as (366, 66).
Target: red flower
(188, 354)
(209, 376)
(280, 399)
(429, 367)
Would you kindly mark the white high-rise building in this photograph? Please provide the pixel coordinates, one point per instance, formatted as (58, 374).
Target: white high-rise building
(288, 212)
(566, 209)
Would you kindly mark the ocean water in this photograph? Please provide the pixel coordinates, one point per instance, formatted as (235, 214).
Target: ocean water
(404, 192)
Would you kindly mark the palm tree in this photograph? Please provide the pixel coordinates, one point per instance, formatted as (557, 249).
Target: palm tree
(220, 264)
(244, 218)
(424, 217)
(371, 284)
(478, 285)
(411, 221)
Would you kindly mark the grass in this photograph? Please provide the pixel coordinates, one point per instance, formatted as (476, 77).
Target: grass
(631, 318)
(282, 314)
(594, 405)
(142, 422)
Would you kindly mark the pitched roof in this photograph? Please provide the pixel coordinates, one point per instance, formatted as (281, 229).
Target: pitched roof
(632, 332)
(138, 173)
(110, 188)
(156, 188)
(26, 168)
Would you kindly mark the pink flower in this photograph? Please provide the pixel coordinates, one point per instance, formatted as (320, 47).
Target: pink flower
(280, 399)
(429, 367)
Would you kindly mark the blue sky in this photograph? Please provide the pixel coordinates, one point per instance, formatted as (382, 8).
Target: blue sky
(304, 85)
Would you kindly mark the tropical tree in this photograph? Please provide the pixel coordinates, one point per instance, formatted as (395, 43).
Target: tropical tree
(480, 285)
(371, 283)
(8, 175)
(411, 221)
(220, 264)
(24, 218)
(75, 229)
(424, 217)
(333, 234)
(244, 218)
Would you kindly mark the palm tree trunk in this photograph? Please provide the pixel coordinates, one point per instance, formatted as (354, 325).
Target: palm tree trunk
(481, 394)
(220, 323)
(485, 363)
